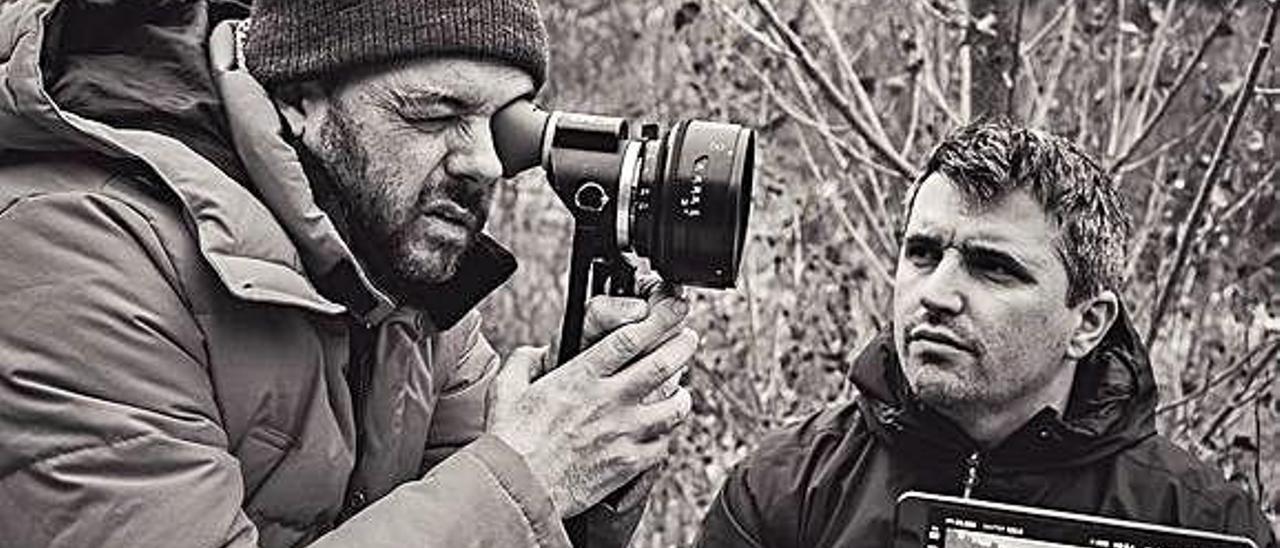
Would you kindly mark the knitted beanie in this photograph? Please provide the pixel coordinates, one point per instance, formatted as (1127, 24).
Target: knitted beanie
(297, 40)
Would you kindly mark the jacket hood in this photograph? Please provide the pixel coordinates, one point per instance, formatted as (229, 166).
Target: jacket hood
(147, 82)
(1111, 407)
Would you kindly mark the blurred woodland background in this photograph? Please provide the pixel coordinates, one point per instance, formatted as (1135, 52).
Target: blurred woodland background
(849, 96)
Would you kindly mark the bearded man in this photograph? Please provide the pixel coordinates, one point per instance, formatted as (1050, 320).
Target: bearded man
(240, 262)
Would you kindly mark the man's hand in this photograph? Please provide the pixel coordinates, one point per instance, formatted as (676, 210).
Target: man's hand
(591, 425)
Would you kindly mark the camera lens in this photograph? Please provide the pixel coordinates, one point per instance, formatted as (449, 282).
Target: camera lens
(691, 202)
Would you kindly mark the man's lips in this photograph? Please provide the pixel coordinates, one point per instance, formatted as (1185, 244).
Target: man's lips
(939, 336)
(451, 212)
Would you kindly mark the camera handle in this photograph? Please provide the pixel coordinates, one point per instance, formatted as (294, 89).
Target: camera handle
(603, 275)
(600, 274)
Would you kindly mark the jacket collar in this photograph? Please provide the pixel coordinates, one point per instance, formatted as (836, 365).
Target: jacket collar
(1112, 406)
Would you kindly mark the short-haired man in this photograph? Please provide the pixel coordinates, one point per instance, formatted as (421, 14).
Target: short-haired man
(1011, 372)
(238, 260)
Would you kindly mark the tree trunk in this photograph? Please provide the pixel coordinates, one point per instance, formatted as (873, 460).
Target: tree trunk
(992, 39)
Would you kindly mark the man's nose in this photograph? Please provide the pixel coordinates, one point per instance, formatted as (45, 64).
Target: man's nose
(473, 157)
(942, 289)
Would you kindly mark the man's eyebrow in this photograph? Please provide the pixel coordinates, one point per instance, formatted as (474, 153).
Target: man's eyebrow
(978, 249)
(924, 238)
(409, 100)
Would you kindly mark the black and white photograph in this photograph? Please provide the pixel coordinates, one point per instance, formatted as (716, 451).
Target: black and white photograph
(636, 273)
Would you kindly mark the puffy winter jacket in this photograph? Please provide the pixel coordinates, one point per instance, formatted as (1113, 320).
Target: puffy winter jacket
(178, 318)
(832, 480)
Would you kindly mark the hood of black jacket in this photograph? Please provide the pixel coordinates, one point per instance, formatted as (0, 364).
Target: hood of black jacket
(1111, 407)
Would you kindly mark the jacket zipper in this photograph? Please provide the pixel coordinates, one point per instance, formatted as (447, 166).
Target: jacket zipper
(971, 473)
(359, 373)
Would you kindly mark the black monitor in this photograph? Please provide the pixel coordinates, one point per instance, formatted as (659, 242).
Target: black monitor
(926, 520)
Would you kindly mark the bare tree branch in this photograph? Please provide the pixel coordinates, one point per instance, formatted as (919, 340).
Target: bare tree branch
(1195, 129)
(837, 205)
(1044, 101)
(846, 69)
(1155, 202)
(1015, 59)
(842, 104)
(1178, 83)
(1117, 80)
(1034, 43)
(1240, 400)
(1268, 347)
(755, 34)
(1140, 101)
(1187, 232)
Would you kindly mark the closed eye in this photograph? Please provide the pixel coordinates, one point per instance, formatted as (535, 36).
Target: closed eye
(430, 110)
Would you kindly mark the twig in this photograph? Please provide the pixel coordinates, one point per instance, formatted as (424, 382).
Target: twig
(1257, 457)
(718, 384)
(1249, 195)
(831, 142)
(1034, 43)
(913, 122)
(837, 205)
(1015, 58)
(1270, 347)
(929, 77)
(966, 76)
(1154, 205)
(1044, 101)
(1239, 401)
(1117, 81)
(759, 37)
(934, 92)
(806, 94)
(1033, 80)
(1145, 86)
(842, 104)
(847, 70)
(1186, 233)
(1196, 129)
(887, 237)
(836, 145)
(787, 107)
(1183, 76)
(959, 18)
(1267, 91)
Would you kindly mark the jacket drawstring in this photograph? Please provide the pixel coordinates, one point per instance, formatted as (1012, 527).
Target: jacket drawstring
(971, 475)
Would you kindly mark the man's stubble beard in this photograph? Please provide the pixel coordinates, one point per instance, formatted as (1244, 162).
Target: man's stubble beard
(975, 391)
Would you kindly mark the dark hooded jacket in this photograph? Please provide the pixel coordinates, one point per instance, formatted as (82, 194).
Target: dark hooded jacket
(832, 480)
(190, 354)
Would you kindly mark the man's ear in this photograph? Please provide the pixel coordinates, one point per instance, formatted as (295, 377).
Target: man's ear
(302, 105)
(1097, 314)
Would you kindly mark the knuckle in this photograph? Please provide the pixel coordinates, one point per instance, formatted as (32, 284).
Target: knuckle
(626, 342)
(628, 458)
(661, 370)
(593, 316)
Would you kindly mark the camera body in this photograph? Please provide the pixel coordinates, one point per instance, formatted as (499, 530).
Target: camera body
(681, 200)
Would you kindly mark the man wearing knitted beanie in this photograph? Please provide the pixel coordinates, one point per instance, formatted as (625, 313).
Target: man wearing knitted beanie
(242, 248)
